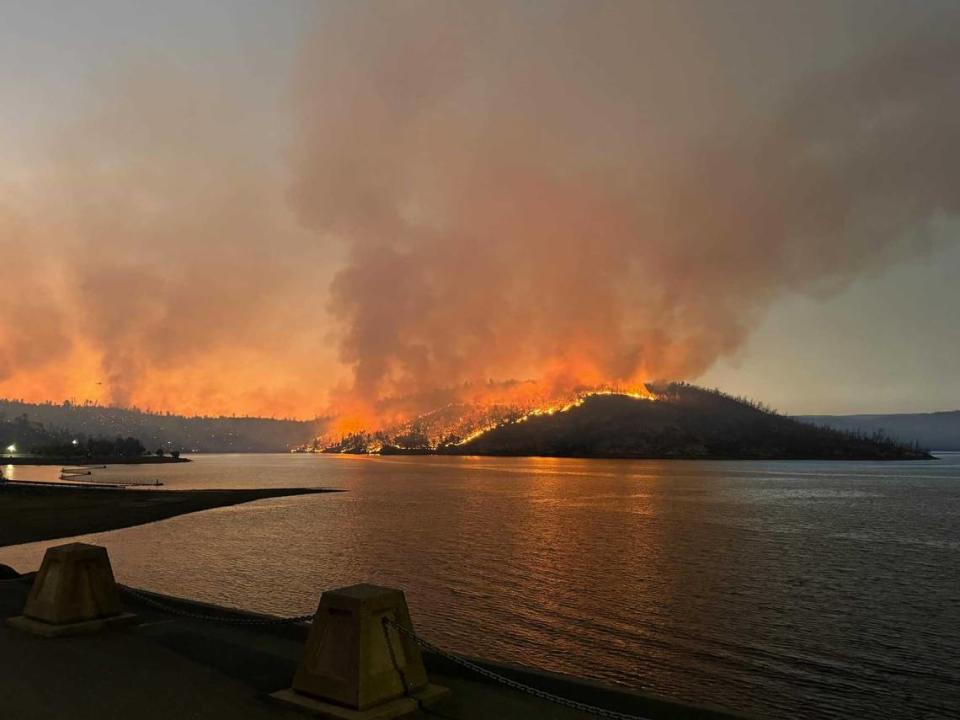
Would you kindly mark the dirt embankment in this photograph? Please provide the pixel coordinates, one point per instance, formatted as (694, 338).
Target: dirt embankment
(33, 513)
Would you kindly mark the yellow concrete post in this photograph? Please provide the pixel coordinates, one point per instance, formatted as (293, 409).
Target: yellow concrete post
(354, 666)
(73, 593)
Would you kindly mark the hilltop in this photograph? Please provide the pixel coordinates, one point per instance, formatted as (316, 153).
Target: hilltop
(683, 422)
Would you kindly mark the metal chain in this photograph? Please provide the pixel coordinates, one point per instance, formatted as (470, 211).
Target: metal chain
(393, 656)
(407, 632)
(496, 677)
(173, 610)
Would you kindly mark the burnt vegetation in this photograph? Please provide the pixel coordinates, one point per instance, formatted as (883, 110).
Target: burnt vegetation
(685, 421)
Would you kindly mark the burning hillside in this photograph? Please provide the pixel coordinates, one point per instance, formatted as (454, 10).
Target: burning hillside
(471, 413)
(670, 421)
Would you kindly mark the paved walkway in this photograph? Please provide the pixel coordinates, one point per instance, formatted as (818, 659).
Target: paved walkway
(169, 667)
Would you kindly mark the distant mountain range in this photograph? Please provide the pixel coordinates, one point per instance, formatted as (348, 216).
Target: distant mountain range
(170, 432)
(936, 430)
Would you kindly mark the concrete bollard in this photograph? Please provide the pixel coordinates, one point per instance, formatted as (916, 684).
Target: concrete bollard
(356, 668)
(74, 593)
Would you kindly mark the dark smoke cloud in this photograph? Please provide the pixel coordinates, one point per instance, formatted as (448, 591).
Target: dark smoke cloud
(568, 192)
(33, 332)
(155, 261)
(508, 212)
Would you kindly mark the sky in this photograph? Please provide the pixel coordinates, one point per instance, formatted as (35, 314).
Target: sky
(372, 208)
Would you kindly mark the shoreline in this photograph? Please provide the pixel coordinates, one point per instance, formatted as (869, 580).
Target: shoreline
(392, 451)
(35, 513)
(77, 461)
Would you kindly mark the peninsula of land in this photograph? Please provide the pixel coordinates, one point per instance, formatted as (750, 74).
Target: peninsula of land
(29, 513)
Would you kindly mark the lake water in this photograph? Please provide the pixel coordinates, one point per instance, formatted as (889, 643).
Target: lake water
(777, 589)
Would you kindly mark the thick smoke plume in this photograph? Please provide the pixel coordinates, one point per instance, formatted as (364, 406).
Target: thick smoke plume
(147, 262)
(475, 196)
(507, 212)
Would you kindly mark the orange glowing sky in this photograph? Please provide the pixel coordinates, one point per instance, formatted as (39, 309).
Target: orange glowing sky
(371, 209)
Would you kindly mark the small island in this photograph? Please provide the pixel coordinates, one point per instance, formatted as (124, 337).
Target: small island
(673, 421)
(682, 422)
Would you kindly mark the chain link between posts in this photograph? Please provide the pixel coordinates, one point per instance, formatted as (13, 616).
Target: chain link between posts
(173, 610)
(406, 632)
(502, 680)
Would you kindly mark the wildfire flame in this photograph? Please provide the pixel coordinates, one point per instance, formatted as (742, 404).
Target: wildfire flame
(473, 413)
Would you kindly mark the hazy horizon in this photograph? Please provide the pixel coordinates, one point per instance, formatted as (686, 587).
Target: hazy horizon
(161, 411)
(299, 208)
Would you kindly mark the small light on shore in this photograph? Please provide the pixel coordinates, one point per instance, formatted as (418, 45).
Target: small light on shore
(11, 448)
(75, 442)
